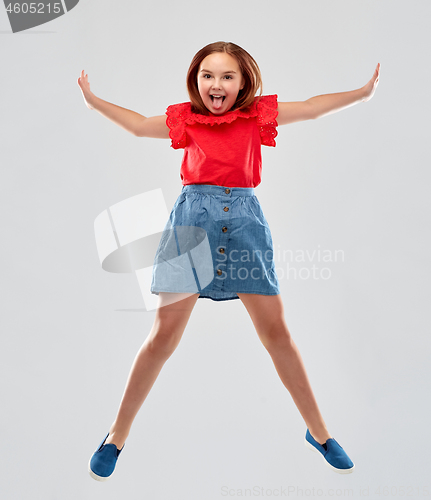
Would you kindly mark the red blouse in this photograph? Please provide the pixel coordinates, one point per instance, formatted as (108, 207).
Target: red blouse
(223, 150)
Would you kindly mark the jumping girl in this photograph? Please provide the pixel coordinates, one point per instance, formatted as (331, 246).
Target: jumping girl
(221, 131)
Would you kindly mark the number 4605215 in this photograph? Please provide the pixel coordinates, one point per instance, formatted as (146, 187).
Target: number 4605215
(34, 8)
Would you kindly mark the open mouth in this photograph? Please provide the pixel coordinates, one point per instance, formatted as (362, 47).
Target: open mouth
(217, 98)
(217, 101)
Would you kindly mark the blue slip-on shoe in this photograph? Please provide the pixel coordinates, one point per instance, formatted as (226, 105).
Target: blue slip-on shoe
(103, 461)
(333, 454)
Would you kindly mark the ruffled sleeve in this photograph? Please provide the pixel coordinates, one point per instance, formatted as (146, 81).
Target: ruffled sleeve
(176, 121)
(267, 119)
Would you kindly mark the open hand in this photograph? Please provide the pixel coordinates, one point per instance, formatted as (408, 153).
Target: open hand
(371, 86)
(84, 85)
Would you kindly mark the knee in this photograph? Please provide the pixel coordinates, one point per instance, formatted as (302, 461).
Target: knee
(163, 342)
(275, 335)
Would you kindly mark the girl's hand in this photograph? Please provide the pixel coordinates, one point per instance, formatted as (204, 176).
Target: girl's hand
(371, 86)
(84, 85)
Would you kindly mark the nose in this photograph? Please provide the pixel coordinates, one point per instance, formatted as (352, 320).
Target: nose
(216, 84)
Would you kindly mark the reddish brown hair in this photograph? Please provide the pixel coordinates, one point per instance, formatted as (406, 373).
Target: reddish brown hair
(249, 69)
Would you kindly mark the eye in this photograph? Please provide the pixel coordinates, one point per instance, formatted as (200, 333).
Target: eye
(207, 75)
(228, 76)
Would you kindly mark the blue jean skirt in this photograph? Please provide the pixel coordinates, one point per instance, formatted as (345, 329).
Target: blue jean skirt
(217, 243)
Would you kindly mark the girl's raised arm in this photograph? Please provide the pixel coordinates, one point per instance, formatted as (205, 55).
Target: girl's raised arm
(321, 105)
(136, 124)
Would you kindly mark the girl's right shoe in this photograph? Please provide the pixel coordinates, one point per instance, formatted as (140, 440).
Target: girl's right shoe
(103, 461)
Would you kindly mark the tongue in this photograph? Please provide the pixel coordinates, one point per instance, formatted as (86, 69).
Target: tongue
(217, 102)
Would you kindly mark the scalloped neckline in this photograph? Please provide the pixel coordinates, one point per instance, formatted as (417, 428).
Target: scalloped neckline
(228, 117)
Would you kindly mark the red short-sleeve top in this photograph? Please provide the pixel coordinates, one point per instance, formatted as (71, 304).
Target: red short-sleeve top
(223, 150)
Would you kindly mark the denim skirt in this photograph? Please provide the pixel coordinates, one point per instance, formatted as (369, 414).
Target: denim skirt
(217, 243)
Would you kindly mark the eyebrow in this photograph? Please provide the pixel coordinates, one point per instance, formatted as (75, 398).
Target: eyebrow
(207, 71)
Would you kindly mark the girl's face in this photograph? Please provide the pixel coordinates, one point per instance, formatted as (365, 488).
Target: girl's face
(219, 75)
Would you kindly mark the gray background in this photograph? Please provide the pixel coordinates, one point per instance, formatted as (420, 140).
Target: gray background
(218, 415)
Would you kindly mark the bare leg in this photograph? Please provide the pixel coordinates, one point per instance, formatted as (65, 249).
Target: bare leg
(165, 335)
(267, 314)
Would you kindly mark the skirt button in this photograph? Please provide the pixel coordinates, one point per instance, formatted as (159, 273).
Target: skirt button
(224, 229)
(226, 209)
(221, 250)
(219, 271)
(227, 191)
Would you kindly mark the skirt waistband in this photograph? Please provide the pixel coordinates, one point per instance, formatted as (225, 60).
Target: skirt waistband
(218, 190)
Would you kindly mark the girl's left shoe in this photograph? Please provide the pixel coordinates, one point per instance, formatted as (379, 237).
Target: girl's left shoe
(103, 461)
(334, 455)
